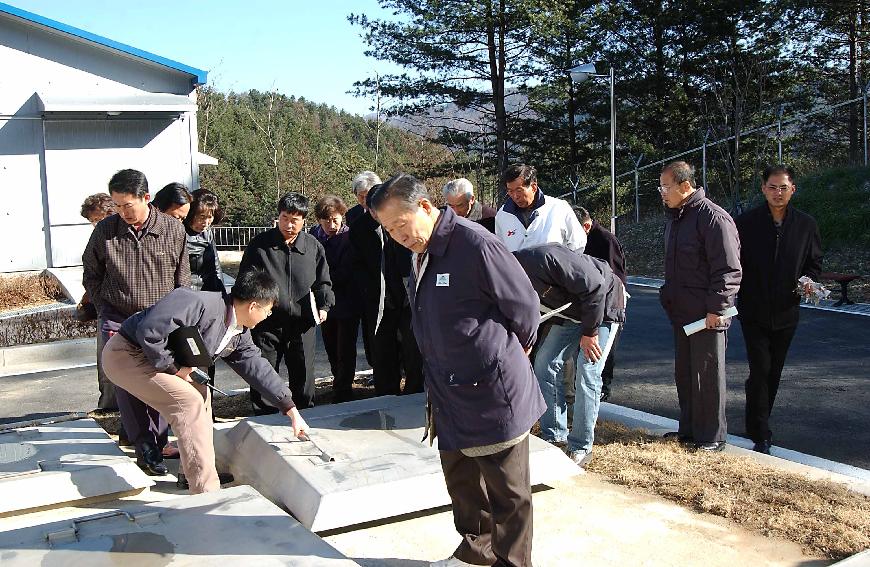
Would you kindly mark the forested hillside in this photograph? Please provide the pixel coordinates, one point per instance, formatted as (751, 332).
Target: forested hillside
(269, 144)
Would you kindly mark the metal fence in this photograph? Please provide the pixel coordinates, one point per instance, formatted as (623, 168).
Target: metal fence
(790, 139)
(235, 237)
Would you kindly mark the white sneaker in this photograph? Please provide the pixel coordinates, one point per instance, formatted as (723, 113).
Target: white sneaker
(451, 562)
(581, 458)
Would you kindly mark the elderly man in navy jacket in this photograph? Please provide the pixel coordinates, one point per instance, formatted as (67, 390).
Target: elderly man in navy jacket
(475, 316)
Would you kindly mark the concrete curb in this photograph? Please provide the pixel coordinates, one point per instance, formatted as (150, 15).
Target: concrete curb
(786, 460)
(44, 357)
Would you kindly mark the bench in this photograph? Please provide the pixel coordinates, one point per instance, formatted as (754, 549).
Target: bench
(844, 280)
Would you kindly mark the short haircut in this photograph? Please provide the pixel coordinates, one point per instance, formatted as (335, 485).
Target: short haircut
(680, 171)
(365, 181)
(461, 186)
(527, 172)
(129, 182)
(582, 214)
(255, 285)
(778, 169)
(204, 201)
(293, 203)
(405, 189)
(371, 194)
(98, 203)
(329, 205)
(171, 195)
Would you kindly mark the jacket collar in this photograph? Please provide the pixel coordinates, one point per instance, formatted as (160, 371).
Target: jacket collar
(512, 208)
(320, 234)
(691, 201)
(441, 232)
(155, 223)
(300, 244)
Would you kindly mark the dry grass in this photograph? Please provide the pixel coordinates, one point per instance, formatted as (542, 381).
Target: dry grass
(28, 290)
(823, 517)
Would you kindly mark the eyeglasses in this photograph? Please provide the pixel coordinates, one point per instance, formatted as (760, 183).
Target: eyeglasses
(663, 190)
(778, 189)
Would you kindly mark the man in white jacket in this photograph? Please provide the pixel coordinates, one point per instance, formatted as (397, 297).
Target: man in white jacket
(529, 218)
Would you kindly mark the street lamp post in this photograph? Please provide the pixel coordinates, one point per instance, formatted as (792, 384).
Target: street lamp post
(579, 74)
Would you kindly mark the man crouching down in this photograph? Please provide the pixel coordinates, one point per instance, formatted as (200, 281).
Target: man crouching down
(137, 359)
(474, 315)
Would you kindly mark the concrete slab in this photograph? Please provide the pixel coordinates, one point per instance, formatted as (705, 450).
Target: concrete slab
(26, 359)
(365, 462)
(236, 525)
(55, 464)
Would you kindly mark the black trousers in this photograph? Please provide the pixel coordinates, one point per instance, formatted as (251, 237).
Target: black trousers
(492, 505)
(766, 350)
(292, 342)
(339, 341)
(609, 364)
(699, 372)
(394, 350)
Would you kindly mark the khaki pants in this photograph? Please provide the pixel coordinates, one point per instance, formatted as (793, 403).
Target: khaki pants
(186, 406)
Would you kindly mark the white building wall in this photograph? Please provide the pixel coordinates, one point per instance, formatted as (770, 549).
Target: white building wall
(45, 177)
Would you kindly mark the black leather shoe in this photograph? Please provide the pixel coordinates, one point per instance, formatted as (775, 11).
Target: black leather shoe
(684, 439)
(714, 447)
(151, 461)
(762, 447)
(183, 484)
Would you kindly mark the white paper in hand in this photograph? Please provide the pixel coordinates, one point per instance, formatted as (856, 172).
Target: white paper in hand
(701, 324)
(315, 313)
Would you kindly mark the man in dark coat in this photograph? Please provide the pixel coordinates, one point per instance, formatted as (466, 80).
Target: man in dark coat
(460, 197)
(475, 315)
(702, 276)
(295, 260)
(585, 303)
(603, 244)
(384, 268)
(361, 186)
(780, 244)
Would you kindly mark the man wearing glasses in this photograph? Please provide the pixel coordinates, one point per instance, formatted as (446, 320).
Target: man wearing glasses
(702, 276)
(780, 244)
(132, 260)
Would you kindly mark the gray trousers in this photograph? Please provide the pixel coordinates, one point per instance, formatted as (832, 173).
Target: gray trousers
(699, 372)
(107, 388)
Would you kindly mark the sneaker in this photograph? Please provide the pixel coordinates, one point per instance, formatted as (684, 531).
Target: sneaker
(581, 458)
(451, 562)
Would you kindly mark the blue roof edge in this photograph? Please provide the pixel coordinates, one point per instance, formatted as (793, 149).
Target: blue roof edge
(200, 76)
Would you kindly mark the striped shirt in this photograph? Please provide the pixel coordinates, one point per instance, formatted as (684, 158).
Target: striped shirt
(127, 270)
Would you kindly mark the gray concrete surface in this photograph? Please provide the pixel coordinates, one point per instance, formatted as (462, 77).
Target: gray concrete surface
(236, 526)
(58, 463)
(365, 461)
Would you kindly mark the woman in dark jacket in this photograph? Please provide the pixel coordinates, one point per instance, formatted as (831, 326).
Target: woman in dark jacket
(341, 328)
(205, 265)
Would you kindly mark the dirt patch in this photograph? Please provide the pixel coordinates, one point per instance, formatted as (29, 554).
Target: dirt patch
(29, 290)
(823, 517)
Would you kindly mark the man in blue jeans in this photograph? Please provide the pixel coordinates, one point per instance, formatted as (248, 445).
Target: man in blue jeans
(582, 301)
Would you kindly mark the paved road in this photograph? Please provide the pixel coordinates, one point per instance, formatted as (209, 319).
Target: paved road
(823, 407)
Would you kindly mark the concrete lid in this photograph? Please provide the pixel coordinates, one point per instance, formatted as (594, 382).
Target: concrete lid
(59, 463)
(235, 525)
(365, 461)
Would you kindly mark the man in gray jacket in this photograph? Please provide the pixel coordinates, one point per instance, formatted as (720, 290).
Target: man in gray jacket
(702, 276)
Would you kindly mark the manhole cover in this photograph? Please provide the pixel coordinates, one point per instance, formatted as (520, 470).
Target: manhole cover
(14, 452)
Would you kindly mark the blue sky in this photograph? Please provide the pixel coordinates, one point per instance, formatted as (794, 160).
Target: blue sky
(301, 47)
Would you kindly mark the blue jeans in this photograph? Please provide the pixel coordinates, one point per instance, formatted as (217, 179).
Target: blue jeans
(549, 361)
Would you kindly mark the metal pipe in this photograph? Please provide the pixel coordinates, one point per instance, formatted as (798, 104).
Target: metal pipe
(612, 157)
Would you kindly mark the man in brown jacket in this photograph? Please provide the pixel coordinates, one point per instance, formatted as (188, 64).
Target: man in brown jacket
(702, 276)
(132, 260)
